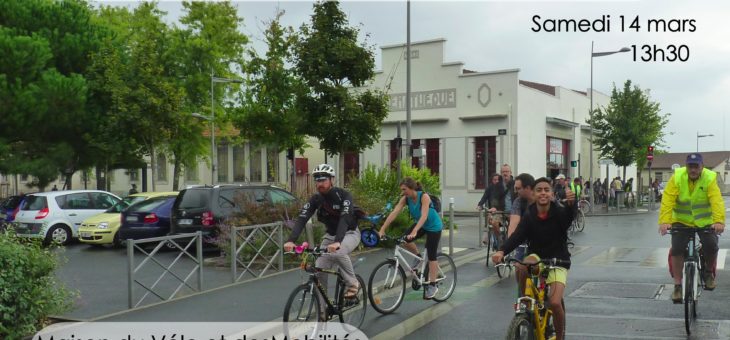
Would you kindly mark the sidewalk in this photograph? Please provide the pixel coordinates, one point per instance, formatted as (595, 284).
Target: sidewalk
(263, 299)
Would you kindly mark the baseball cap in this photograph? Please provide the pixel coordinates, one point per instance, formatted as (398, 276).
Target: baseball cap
(561, 176)
(694, 158)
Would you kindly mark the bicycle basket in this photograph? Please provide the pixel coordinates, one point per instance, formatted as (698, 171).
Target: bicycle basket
(308, 261)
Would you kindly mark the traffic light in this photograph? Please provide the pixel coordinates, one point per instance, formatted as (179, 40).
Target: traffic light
(650, 153)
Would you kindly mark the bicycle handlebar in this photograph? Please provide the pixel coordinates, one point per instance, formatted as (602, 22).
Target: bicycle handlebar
(553, 262)
(704, 230)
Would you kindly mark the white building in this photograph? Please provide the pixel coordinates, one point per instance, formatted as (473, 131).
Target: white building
(457, 115)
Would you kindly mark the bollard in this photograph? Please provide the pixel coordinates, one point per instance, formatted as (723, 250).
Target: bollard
(130, 273)
(451, 226)
(199, 254)
(481, 228)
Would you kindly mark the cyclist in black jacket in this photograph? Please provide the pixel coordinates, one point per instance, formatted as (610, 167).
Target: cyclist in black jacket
(545, 229)
(336, 211)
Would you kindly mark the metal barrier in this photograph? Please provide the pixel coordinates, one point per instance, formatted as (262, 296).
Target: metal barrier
(169, 242)
(266, 231)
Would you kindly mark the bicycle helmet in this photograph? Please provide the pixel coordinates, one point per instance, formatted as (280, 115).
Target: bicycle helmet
(323, 171)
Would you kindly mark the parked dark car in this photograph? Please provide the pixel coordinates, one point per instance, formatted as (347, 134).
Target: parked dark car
(204, 208)
(9, 207)
(145, 219)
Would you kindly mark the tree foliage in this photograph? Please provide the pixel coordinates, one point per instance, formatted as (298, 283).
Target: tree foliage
(331, 62)
(268, 113)
(45, 97)
(629, 124)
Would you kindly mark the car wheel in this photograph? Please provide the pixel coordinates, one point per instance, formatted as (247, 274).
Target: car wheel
(116, 242)
(59, 234)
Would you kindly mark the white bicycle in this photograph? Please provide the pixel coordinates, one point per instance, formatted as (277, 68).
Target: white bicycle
(387, 283)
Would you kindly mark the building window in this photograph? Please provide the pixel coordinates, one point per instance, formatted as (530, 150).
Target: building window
(161, 168)
(485, 159)
(352, 166)
(255, 163)
(393, 153)
(133, 175)
(239, 164)
(222, 167)
(415, 161)
(432, 155)
(557, 156)
(659, 176)
(191, 172)
(272, 164)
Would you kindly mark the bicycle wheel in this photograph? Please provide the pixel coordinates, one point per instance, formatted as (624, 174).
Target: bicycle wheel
(352, 311)
(386, 287)
(580, 221)
(303, 305)
(688, 297)
(446, 278)
(521, 328)
(490, 244)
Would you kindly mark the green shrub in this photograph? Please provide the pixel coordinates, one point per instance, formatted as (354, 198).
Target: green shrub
(29, 291)
(375, 187)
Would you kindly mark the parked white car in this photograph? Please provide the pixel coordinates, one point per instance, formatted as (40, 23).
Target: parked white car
(56, 216)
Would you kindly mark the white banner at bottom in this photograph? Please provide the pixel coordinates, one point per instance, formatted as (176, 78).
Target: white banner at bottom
(200, 331)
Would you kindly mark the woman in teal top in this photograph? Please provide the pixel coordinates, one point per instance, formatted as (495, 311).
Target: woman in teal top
(428, 222)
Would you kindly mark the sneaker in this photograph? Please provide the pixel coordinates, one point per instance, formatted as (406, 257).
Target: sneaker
(709, 282)
(431, 291)
(677, 294)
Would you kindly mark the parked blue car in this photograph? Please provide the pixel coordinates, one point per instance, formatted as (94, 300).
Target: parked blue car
(145, 219)
(9, 207)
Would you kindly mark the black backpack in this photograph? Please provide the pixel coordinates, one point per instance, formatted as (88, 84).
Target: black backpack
(435, 202)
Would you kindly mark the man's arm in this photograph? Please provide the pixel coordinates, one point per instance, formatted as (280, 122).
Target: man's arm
(517, 238)
(304, 215)
(514, 216)
(484, 197)
(716, 203)
(347, 216)
(669, 200)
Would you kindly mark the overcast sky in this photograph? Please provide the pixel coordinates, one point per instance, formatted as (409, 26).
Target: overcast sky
(498, 35)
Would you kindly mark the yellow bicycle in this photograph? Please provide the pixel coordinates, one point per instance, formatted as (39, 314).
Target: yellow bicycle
(533, 318)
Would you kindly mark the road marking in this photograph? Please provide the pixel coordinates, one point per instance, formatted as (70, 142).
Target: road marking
(419, 320)
(657, 259)
(445, 250)
(609, 255)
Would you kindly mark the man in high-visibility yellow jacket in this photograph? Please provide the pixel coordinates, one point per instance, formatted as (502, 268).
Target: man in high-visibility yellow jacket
(692, 199)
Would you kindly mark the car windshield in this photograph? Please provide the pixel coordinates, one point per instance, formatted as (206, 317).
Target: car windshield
(123, 204)
(194, 198)
(35, 203)
(148, 205)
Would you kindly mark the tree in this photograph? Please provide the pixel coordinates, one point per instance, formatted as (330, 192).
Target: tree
(208, 43)
(629, 124)
(268, 113)
(46, 46)
(331, 62)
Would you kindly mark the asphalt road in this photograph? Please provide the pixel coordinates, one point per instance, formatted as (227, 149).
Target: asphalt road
(616, 290)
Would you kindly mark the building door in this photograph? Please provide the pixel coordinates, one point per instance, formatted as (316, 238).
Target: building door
(432, 155)
(485, 159)
(352, 165)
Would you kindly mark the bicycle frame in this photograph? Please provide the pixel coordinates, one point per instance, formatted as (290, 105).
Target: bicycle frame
(692, 261)
(533, 304)
(400, 255)
(313, 281)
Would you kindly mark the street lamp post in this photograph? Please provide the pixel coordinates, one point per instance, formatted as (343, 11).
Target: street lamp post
(701, 136)
(590, 113)
(213, 156)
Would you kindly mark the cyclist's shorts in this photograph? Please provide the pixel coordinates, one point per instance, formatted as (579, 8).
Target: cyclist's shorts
(556, 274)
